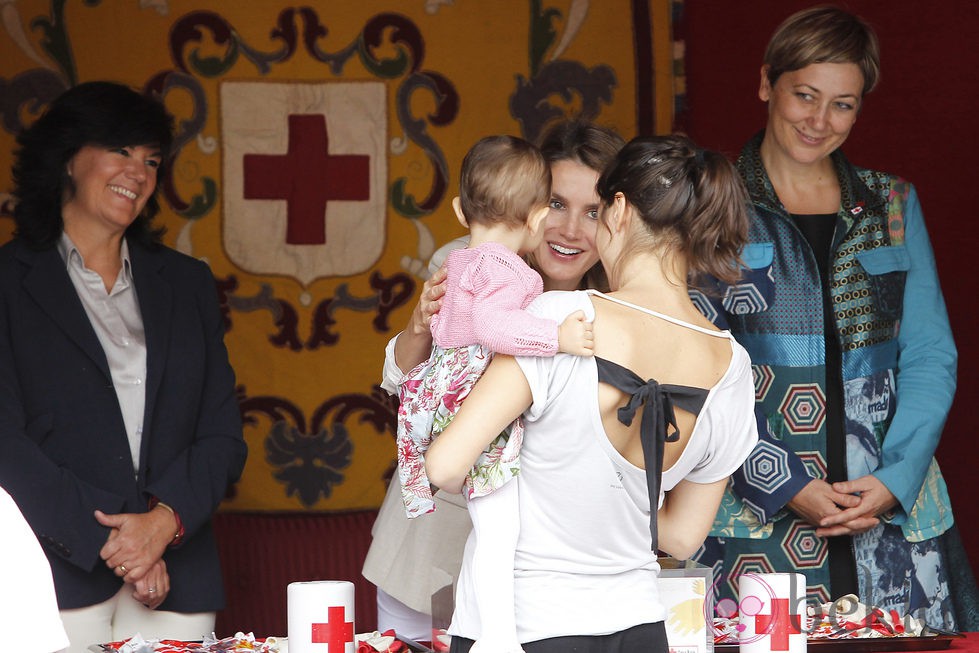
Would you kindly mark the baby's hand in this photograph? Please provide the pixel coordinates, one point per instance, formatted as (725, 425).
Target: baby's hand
(575, 335)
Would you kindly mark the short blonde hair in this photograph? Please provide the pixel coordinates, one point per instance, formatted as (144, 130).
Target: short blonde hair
(504, 178)
(824, 34)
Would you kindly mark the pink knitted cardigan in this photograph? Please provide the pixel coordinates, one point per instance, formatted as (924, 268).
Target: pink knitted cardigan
(487, 289)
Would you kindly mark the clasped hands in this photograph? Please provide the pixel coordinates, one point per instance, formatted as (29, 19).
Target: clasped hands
(843, 508)
(134, 551)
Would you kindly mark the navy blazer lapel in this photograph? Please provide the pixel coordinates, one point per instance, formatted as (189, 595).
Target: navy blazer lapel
(48, 284)
(155, 303)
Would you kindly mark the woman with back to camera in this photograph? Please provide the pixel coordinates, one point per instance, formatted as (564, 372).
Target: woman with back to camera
(409, 560)
(660, 416)
(854, 386)
(119, 424)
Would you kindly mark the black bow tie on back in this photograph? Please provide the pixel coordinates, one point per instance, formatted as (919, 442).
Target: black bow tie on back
(658, 402)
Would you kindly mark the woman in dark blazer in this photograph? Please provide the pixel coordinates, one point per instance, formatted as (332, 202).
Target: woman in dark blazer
(119, 426)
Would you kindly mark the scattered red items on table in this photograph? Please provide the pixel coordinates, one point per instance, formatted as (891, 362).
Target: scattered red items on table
(240, 643)
(845, 618)
(386, 642)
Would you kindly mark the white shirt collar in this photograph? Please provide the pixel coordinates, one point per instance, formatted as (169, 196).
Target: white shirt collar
(69, 253)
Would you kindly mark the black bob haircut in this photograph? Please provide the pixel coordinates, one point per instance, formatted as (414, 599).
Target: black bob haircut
(104, 114)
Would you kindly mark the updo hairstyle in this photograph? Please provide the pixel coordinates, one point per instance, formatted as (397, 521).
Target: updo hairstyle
(690, 200)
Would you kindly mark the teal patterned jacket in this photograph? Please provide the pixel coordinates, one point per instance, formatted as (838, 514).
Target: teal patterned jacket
(898, 355)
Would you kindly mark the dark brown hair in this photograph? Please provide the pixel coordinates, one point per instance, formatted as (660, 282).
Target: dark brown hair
(582, 142)
(590, 145)
(504, 178)
(688, 198)
(824, 34)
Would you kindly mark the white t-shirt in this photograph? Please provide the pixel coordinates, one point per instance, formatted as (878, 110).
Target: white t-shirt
(28, 606)
(583, 564)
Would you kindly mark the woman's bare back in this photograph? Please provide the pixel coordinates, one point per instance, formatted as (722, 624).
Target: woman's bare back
(690, 353)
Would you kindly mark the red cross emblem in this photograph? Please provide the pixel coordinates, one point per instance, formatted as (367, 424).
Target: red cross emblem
(307, 176)
(780, 624)
(336, 632)
(304, 177)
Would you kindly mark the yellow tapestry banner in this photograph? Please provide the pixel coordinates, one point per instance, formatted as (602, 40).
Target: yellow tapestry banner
(317, 154)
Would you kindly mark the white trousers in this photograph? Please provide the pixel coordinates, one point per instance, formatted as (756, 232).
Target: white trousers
(496, 527)
(393, 614)
(122, 616)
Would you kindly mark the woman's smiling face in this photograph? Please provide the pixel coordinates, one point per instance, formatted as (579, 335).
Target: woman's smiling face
(112, 186)
(567, 251)
(812, 110)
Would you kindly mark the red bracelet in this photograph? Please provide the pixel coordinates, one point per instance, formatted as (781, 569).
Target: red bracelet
(178, 537)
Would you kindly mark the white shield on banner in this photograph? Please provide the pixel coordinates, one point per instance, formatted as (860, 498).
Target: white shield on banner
(305, 177)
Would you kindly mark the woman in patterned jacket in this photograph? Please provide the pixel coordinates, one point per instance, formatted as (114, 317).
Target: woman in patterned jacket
(841, 311)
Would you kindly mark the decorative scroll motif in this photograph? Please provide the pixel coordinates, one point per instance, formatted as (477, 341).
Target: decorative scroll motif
(31, 90)
(188, 130)
(532, 101)
(55, 41)
(309, 460)
(391, 292)
(189, 32)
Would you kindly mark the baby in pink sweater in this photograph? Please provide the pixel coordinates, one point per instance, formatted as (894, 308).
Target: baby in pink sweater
(504, 193)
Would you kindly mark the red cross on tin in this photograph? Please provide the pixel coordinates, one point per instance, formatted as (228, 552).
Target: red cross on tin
(780, 624)
(336, 632)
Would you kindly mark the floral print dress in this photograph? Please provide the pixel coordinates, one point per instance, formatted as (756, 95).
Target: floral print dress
(430, 397)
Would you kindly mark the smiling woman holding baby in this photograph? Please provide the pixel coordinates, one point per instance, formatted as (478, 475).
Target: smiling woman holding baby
(411, 559)
(626, 452)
